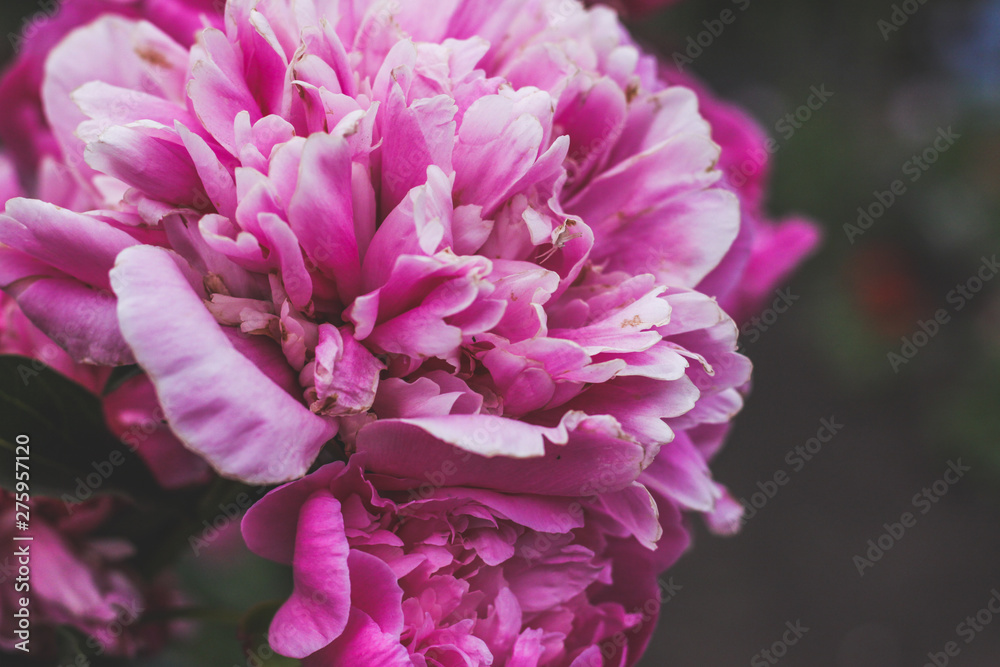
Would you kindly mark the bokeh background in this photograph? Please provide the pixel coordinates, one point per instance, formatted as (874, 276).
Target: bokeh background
(893, 89)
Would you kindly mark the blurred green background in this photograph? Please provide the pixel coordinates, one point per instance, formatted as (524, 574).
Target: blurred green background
(893, 90)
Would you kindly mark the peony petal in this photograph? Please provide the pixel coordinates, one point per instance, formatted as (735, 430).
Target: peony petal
(635, 510)
(161, 169)
(218, 89)
(679, 243)
(80, 319)
(132, 414)
(317, 611)
(209, 390)
(321, 212)
(269, 525)
(78, 245)
(680, 473)
(375, 591)
(597, 457)
(347, 374)
(496, 147)
(363, 642)
(285, 248)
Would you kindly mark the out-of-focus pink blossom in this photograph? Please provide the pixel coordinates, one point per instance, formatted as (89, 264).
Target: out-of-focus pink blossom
(76, 578)
(459, 576)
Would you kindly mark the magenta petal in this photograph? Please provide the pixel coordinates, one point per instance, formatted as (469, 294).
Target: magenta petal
(416, 137)
(321, 212)
(496, 147)
(129, 54)
(363, 642)
(109, 105)
(485, 435)
(777, 249)
(375, 591)
(218, 181)
(592, 657)
(66, 582)
(680, 243)
(680, 473)
(546, 515)
(218, 89)
(269, 525)
(647, 180)
(635, 510)
(131, 413)
(347, 374)
(316, 613)
(209, 390)
(727, 518)
(284, 246)
(598, 456)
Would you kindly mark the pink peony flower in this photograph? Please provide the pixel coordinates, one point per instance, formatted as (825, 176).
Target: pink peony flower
(479, 247)
(419, 230)
(458, 576)
(76, 579)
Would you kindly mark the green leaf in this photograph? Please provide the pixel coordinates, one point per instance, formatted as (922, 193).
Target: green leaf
(70, 646)
(193, 519)
(71, 453)
(78, 649)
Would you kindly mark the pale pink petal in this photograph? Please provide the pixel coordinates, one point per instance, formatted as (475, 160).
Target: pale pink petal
(177, 341)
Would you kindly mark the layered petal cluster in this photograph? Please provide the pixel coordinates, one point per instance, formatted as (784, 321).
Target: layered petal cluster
(76, 579)
(32, 164)
(455, 576)
(417, 232)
